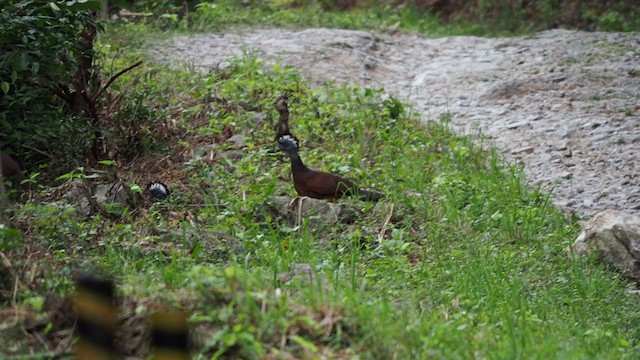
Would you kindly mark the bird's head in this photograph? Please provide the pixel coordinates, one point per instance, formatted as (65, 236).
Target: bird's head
(158, 190)
(288, 142)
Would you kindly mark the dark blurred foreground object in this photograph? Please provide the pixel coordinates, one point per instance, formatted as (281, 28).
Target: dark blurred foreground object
(97, 319)
(10, 168)
(169, 335)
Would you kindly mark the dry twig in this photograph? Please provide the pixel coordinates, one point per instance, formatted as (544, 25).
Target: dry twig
(113, 78)
(383, 230)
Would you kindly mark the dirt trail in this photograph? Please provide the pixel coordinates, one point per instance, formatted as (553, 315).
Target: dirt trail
(565, 103)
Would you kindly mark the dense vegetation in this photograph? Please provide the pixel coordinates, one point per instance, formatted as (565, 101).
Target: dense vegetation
(463, 260)
(485, 17)
(38, 58)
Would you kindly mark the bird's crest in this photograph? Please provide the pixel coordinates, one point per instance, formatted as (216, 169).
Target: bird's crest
(288, 142)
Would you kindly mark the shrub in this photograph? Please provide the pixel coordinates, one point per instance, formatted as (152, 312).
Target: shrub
(39, 57)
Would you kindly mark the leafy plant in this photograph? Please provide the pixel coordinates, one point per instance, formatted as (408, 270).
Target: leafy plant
(39, 53)
(77, 173)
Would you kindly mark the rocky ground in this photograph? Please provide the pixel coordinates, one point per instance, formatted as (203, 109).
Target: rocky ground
(564, 103)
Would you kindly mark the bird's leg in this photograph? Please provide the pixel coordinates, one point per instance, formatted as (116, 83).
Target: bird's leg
(299, 209)
(299, 217)
(293, 201)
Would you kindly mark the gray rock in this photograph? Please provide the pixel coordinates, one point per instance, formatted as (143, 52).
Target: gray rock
(519, 125)
(115, 192)
(569, 133)
(86, 201)
(258, 119)
(615, 237)
(77, 194)
(318, 212)
(561, 146)
(523, 150)
(238, 140)
(228, 154)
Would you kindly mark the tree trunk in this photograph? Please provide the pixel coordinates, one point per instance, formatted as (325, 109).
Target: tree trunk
(104, 10)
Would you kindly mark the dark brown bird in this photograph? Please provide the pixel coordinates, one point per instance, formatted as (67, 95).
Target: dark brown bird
(10, 168)
(316, 184)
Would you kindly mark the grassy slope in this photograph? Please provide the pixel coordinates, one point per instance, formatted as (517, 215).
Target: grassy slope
(472, 265)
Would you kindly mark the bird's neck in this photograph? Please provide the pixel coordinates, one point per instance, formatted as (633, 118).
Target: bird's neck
(296, 162)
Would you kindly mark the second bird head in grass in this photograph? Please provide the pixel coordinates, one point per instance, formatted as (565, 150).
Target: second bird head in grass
(158, 190)
(288, 142)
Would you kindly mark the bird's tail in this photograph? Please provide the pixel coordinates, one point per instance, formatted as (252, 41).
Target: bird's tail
(370, 195)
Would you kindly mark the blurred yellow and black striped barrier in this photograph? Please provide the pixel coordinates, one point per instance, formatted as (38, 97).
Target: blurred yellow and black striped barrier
(169, 336)
(98, 319)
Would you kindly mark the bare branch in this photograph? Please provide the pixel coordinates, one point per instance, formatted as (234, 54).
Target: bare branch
(113, 78)
(37, 150)
(62, 91)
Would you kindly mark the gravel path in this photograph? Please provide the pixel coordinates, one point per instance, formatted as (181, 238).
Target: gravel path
(564, 103)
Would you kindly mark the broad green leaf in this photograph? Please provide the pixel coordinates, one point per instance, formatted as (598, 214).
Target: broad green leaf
(5, 87)
(23, 4)
(18, 63)
(9, 238)
(54, 6)
(173, 17)
(108, 162)
(78, 5)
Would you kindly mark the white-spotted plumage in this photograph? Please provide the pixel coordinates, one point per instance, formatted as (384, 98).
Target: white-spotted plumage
(158, 190)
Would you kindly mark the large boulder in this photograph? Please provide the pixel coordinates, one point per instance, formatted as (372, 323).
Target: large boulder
(113, 198)
(615, 237)
(77, 194)
(88, 198)
(115, 192)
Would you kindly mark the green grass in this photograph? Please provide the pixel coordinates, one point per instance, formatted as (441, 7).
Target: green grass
(216, 16)
(480, 18)
(472, 265)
